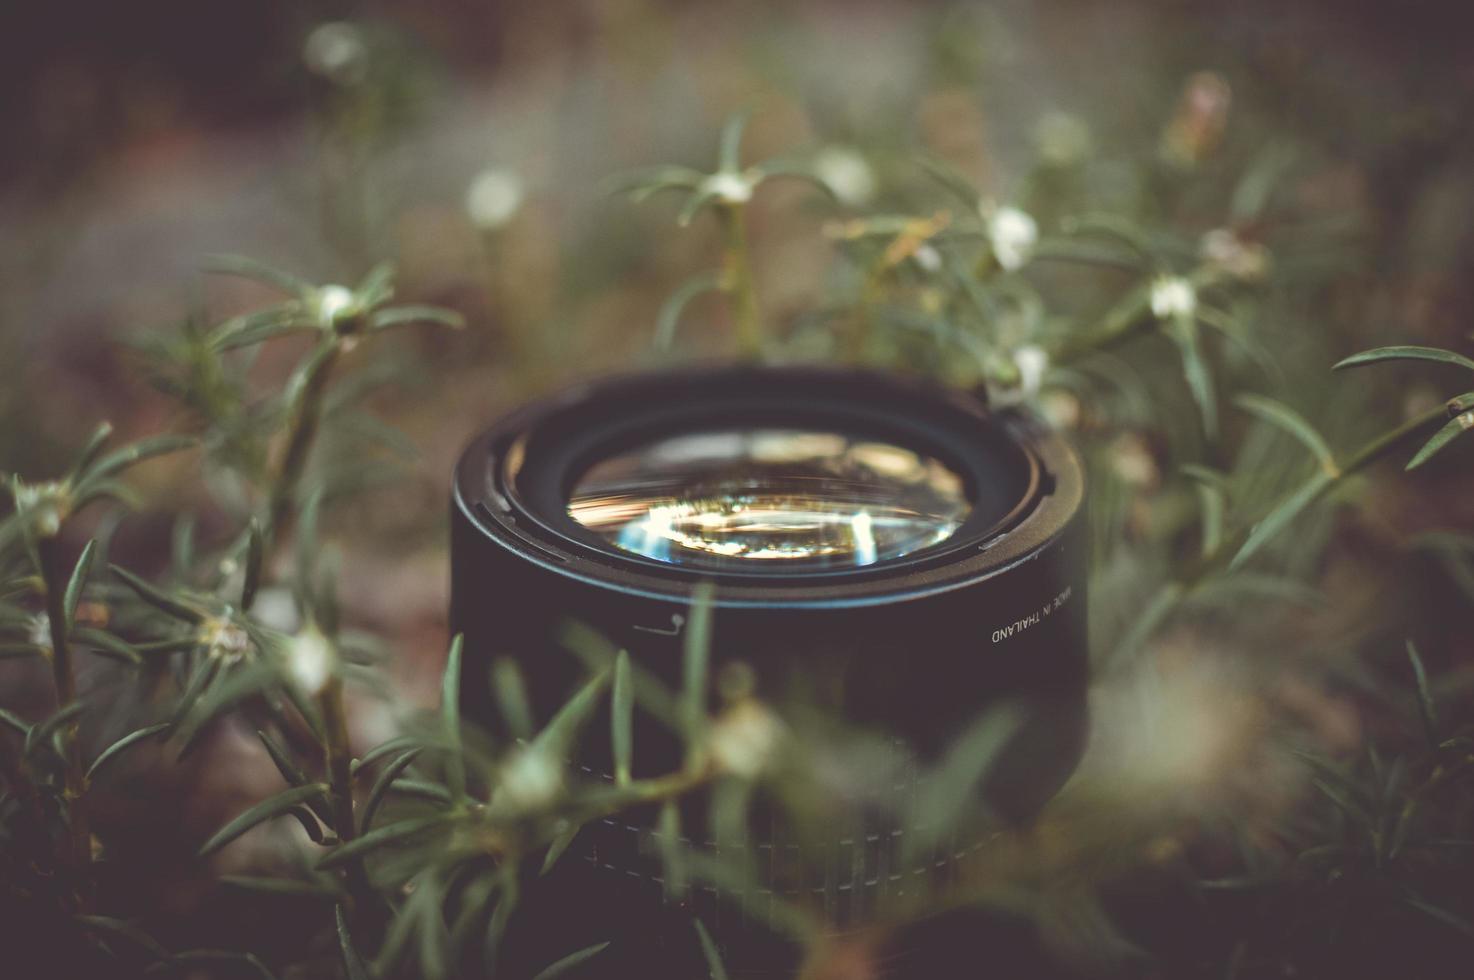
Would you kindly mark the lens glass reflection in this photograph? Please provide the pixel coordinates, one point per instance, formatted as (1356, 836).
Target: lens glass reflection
(770, 499)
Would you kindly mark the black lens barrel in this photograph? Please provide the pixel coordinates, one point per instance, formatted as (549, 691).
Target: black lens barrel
(914, 648)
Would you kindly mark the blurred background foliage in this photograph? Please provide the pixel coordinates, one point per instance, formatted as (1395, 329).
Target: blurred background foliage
(1316, 156)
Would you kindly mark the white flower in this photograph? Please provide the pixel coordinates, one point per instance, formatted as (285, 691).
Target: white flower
(846, 173)
(1173, 296)
(310, 660)
(1033, 362)
(226, 640)
(1030, 364)
(1013, 234)
(927, 257)
(333, 302)
(40, 633)
(43, 504)
(728, 187)
(494, 198)
(744, 739)
(530, 780)
(336, 51)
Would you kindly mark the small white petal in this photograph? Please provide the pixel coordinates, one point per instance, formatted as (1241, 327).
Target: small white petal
(494, 198)
(730, 188)
(333, 302)
(1173, 296)
(1032, 362)
(1013, 234)
(846, 173)
(309, 660)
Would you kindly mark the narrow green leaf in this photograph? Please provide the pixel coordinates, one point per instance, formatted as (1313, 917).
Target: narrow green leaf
(1196, 372)
(1163, 603)
(450, 713)
(182, 546)
(245, 267)
(352, 962)
(947, 792)
(1344, 802)
(709, 949)
(511, 696)
(107, 755)
(511, 892)
(671, 310)
(1212, 504)
(121, 459)
(208, 956)
(385, 749)
(177, 644)
(1280, 517)
(200, 679)
(672, 854)
(1405, 353)
(309, 823)
(40, 734)
(77, 583)
(729, 158)
(421, 789)
(380, 837)
(15, 721)
(377, 286)
(125, 930)
(261, 326)
(570, 961)
(381, 786)
(1426, 707)
(255, 550)
(157, 597)
(696, 661)
(1284, 417)
(90, 450)
(557, 738)
(91, 491)
(396, 315)
(1450, 919)
(1236, 586)
(273, 806)
(700, 198)
(294, 775)
(296, 887)
(795, 170)
(621, 719)
(596, 653)
(560, 844)
(1456, 426)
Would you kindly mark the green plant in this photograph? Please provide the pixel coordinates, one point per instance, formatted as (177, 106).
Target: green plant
(421, 844)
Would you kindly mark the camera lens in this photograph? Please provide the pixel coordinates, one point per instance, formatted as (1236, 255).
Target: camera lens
(876, 550)
(801, 499)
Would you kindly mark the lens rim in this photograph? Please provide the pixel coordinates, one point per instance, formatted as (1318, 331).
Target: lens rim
(556, 440)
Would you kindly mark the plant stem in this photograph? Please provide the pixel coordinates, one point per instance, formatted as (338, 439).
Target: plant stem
(1363, 457)
(54, 576)
(299, 443)
(1173, 592)
(739, 282)
(339, 758)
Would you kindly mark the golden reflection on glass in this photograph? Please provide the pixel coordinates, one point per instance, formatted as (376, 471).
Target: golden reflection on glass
(770, 498)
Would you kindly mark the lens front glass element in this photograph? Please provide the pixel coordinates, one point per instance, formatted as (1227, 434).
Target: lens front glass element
(770, 500)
